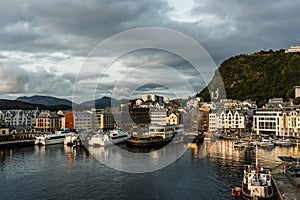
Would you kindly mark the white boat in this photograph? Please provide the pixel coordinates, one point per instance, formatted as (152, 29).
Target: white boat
(257, 184)
(115, 136)
(265, 143)
(240, 144)
(46, 139)
(285, 142)
(277, 141)
(71, 139)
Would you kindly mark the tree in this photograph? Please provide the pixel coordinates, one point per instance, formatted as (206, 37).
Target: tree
(297, 101)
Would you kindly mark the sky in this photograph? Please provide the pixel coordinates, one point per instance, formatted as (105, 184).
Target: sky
(76, 49)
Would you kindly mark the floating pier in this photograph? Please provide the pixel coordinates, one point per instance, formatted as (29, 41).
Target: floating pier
(16, 143)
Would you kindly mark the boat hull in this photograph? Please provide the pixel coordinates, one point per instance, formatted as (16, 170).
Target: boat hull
(102, 141)
(245, 195)
(148, 142)
(49, 142)
(289, 159)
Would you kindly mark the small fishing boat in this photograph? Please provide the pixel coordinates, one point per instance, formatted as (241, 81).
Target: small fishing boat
(289, 158)
(266, 143)
(257, 184)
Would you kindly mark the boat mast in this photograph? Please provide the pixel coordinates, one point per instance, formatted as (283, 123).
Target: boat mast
(256, 163)
(297, 154)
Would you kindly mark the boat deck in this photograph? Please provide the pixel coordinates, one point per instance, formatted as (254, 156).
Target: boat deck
(287, 186)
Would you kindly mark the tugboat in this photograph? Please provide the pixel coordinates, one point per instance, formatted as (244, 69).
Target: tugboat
(257, 184)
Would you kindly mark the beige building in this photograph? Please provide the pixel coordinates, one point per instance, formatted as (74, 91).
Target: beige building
(292, 123)
(47, 122)
(297, 91)
(173, 119)
(293, 49)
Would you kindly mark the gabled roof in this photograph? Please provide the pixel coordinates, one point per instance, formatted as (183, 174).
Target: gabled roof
(47, 114)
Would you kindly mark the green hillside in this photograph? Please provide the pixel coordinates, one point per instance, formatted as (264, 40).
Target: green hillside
(259, 76)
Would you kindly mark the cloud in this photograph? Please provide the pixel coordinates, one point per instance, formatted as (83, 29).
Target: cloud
(17, 80)
(59, 34)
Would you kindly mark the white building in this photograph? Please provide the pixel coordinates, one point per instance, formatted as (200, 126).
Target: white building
(158, 117)
(227, 120)
(268, 122)
(19, 117)
(83, 120)
(292, 123)
(293, 49)
(152, 97)
(212, 121)
(232, 120)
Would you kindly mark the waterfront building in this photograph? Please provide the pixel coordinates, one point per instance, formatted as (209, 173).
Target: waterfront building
(4, 130)
(62, 122)
(158, 117)
(47, 122)
(268, 122)
(139, 116)
(227, 121)
(70, 120)
(83, 120)
(292, 123)
(203, 119)
(212, 121)
(19, 117)
(105, 120)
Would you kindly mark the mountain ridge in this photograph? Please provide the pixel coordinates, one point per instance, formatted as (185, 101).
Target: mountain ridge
(258, 76)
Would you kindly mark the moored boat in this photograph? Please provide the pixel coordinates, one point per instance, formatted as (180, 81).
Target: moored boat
(115, 136)
(257, 184)
(285, 142)
(289, 158)
(71, 139)
(47, 139)
(266, 143)
(240, 144)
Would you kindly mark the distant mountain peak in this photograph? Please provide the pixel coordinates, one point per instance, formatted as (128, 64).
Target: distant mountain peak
(45, 100)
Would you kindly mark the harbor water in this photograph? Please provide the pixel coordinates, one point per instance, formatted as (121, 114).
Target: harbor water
(205, 171)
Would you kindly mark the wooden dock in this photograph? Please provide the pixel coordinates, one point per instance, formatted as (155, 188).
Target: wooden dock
(286, 186)
(16, 143)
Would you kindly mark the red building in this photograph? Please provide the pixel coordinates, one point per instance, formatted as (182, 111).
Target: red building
(69, 120)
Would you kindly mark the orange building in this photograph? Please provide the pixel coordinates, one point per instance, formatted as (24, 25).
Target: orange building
(69, 120)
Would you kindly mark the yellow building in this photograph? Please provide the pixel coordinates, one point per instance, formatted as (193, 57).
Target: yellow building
(173, 119)
(47, 122)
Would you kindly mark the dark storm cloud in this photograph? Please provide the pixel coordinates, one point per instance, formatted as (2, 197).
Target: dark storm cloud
(74, 28)
(16, 80)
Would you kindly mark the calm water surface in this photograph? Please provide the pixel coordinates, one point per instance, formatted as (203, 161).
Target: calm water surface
(205, 171)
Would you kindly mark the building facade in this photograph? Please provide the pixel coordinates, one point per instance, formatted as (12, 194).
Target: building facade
(47, 122)
(268, 122)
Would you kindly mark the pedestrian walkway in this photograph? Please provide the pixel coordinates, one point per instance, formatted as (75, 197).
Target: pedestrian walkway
(288, 187)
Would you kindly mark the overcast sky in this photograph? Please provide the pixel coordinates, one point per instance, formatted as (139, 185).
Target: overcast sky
(45, 44)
